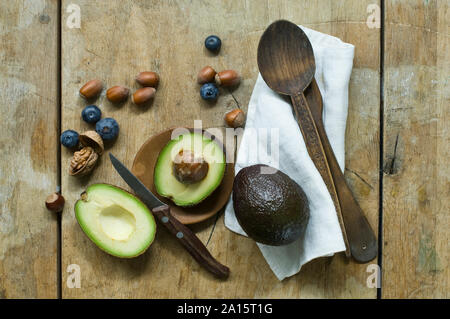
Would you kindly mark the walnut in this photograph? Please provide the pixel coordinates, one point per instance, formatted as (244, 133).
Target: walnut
(92, 139)
(83, 161)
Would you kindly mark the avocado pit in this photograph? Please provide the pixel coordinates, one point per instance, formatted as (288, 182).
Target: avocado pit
(188, 168)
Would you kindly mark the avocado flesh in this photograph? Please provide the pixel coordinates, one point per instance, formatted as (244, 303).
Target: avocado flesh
(185, 194)
(271, 208)
(115, 220)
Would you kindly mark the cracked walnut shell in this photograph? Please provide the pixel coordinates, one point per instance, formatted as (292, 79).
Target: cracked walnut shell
(92, 139)
(83, 161)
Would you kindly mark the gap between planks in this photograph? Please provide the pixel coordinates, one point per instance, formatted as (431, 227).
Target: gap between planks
(59, 159)
(381, 153)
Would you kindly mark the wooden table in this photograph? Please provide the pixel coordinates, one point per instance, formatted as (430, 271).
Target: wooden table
(396, 141)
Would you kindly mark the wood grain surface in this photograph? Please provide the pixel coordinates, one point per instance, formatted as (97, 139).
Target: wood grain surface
(416, 222)
(29, 148)
(118, 39)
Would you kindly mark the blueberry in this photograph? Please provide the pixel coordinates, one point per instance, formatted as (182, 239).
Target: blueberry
(213, 43)
(209, 91)
(107, 128)
(69, 138)
(91, 114)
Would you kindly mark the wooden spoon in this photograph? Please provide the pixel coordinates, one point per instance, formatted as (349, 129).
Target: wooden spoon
(362, 240)
(286, 62)
(360, 236)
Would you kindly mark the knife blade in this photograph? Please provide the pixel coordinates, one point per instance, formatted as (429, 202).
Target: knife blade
(138, 187)
(184, 235)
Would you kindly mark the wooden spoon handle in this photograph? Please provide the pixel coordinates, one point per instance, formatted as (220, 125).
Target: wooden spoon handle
(362, 240)
(316, 152)
(190, 242)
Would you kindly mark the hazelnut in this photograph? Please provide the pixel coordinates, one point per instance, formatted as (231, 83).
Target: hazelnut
(148, 78)
(189, 169)
(55, 202)
(227, 78)
(143, 95)
(91, 89)
(117, 94)
(206, 75)
(235, 118)
(92, 139)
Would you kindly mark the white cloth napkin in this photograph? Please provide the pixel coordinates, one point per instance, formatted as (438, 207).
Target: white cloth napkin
(268, 110)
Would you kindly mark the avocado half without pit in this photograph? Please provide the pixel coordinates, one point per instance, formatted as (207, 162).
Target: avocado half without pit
(115, 220)
(189, 168)
(270, 207)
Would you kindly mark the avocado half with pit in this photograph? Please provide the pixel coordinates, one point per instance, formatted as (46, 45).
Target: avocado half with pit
(189, 168)
(115, 220)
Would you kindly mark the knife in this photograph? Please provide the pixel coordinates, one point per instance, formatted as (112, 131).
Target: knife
(162, 211)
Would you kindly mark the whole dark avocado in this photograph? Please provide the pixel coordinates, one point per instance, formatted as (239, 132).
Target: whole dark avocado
(270, 207)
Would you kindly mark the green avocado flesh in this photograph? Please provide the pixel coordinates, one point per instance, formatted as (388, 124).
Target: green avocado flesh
(185, 194)
(115, 220)
(270, 207)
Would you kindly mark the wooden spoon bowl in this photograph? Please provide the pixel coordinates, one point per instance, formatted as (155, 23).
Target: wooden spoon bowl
(144, 165)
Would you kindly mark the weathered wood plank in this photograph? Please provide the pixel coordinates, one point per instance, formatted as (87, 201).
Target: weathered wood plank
(416, 222)
(28, 142)
(121, 38)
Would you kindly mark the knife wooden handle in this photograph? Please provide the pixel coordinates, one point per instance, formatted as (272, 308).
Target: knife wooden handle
(316, 152)
(362, 239)
(190, 242)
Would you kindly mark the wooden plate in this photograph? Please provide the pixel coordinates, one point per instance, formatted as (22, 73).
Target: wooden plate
(143, 168)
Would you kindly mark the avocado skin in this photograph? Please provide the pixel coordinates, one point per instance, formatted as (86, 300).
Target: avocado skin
(271, 208)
